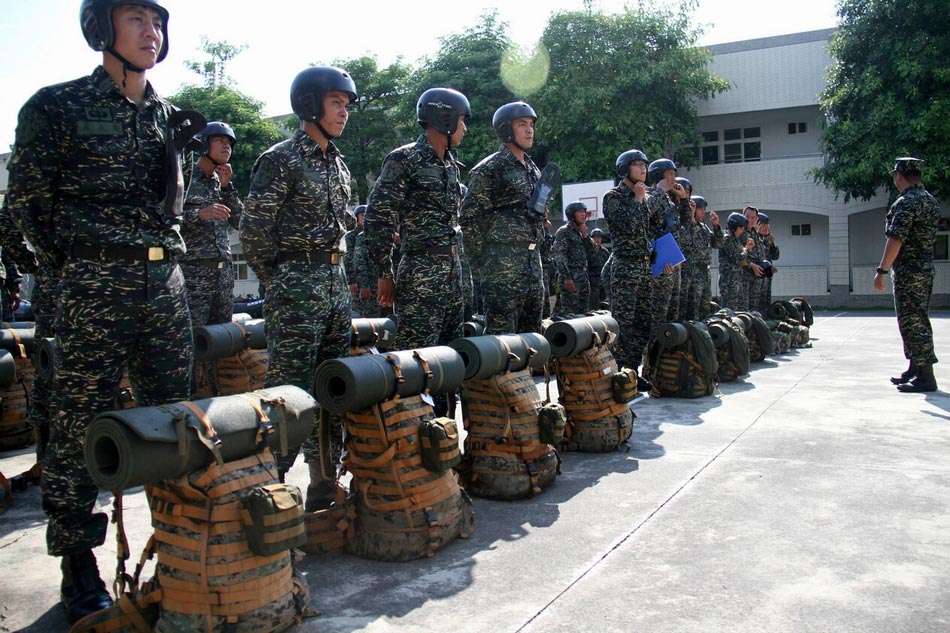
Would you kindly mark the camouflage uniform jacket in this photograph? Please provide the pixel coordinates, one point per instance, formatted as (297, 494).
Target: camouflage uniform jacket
(296, 203)
(495, 211)
(87, 169)
(420, 192)
(665, 215)
(732, 256)
(595, 263)
(571, 252)
(349, 241)
(704, 239)
(208, 239)
(629, 223)
(912, 219)
(14, 249)
(362, 276)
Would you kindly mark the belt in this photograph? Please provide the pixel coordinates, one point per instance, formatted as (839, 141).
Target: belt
(131, 253)
(210, 262)
(436, 250)
(310, 257)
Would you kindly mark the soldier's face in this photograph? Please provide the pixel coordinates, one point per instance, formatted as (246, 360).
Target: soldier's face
(523, 128)
(335, 112)
(670, 177)
(580, 217)
(598, 240)
(219, 149)
(138, 34)
(638, 171)
(359, 220)
(460, 131)
(699, 212)
(752, 216)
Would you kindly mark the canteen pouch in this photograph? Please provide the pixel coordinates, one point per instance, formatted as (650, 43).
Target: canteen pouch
(552, 420)
(623, 384)
(273, 519)
(439, 444)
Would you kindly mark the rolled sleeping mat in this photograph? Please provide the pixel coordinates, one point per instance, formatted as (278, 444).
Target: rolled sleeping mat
(487, 356)
(373, 332)
(7, 369)
(473, 328)
(240, 317)
(133, 447)
(46, 358)
(672, 334)
(572, 336)
(718, 332)
(11, 340)
(24, 312)
(745, 318)
(342, 385)
(228, 339)
(777, 311)
(17, 325)
(727, 311)
(255, 308)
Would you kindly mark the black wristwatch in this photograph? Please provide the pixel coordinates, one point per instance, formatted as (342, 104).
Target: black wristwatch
(881, 271)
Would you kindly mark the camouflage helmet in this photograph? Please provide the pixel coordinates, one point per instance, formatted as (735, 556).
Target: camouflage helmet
(763, 219)
(657, 168)
(573, 208)
(735, 220)
(440, 108)
(95, 18)
(597, 233)
(908, 166)
(506, 114)
(627, 158)
(687, 185)
(311, 84)
(215, 128)
(699, 201)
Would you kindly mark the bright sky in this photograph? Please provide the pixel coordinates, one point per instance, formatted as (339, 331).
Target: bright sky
(41, 42)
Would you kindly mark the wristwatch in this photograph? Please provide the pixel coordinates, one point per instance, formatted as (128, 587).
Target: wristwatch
(881, 271)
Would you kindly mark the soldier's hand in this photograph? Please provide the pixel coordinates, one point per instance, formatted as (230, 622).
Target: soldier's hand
(667, 269)
(354, 290)
(582, 229)
(224, 174)
(879, 282)
(714, 218)
(569, 285)
(679, 191)
(749, 243)
(366, 293)
(216, 211)
(15, 300)
(639, 191)
(386, 294)
(757, 270)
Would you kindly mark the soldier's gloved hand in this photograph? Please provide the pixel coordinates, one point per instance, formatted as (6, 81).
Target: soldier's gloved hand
(569, 285)
(216, 211)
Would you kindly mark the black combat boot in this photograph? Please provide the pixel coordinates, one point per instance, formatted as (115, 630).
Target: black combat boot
(924, 382)
(82, 591)
(907, 376)
(643, 383)
(320, 492)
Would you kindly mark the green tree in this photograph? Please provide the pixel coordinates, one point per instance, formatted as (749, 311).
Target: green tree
(619, 81)
(213, 68)
(888, 95)
(243, 114)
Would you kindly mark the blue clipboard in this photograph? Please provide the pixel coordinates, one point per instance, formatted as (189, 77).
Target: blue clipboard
(667, 252)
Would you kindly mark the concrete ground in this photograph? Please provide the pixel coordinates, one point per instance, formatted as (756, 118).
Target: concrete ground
(810, 496)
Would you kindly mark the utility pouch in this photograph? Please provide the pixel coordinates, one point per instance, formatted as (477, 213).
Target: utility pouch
(439, 444)
(552, 420)
(623, 384)
(273, 519)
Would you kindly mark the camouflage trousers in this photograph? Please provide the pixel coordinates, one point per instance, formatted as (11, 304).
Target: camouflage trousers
(691, 291)
(673, 311)
(210, 293)
(547, 273)
(733, 289)
(702, 310)
(759, 294)
(6, 304)
(110, 315)
(912, 292)
(664, 286)
(631, 296)
(307, 321)
(598, 294)
(605, 279)
(513, 291)
(575, 301)
(44, 300)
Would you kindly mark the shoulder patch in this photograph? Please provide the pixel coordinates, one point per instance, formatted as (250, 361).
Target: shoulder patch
(31, 124)
(264, 173)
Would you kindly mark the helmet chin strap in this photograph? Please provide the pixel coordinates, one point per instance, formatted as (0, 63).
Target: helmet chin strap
(126, 64)
(329, 136)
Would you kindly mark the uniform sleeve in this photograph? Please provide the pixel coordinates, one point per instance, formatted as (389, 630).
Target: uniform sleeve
(716, 237)
(12, 242)
(269, 191)
(901, 220)
(731, 252)
(360, 263)
(774, 253)
(34, 172)
(195, 199)
(382, 214)
(561, 254)
(475, 215)
(232, 200)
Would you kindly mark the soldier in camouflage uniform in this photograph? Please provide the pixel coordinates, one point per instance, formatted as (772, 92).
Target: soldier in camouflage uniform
(212, 205)
(768, 253)
(572, 248)
(91, 190)
(911, 227)
(548, 270)
(362, 274)
(292, 233)
(756, 281)
(631, 281)
(667, 202)
(419, 191)
(683, 233)
(595, 267)
(10, 279)
(704, 239)
(502, 235)
(733, 258)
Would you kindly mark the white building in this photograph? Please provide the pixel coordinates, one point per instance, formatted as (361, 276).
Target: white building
(760, 145)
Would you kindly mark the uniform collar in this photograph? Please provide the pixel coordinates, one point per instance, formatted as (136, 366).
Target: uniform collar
(450, 156)
(308, 147)
(509, 156)
(108, 88)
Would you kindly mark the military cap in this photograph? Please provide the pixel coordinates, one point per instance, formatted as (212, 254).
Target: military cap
(908, 165)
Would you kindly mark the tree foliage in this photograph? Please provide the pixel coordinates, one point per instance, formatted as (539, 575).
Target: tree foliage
(241, 112)
(212, 70)
(888, 95)
(619, 81)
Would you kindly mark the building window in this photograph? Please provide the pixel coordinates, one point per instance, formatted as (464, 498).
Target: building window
(738, 145)
(801, 230)
(797, 128)
(239, 264)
